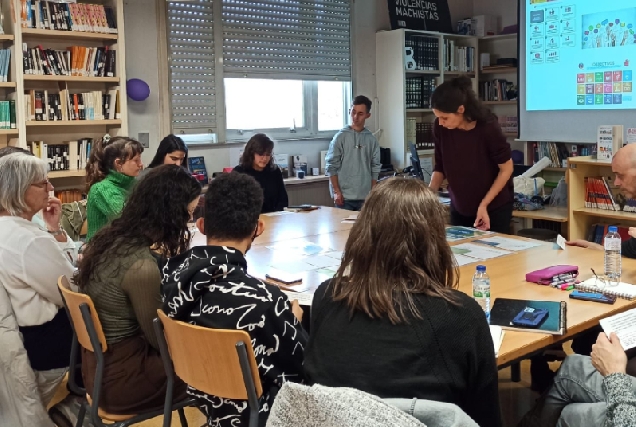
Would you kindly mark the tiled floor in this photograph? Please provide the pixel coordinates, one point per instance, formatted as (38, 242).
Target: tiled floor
(516, 399)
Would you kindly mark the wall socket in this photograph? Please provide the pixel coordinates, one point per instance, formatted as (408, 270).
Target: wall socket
(144, 139)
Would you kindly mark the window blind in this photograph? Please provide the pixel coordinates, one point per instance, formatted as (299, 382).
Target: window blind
(287, 39)
(191, 63)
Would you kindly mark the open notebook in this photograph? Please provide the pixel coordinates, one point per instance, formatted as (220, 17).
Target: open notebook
(622, 290)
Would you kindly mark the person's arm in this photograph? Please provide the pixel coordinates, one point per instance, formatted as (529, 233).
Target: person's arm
(376, 164)
(333, 162)
(621, 401)
(142, 284)
(283, 199)
(44, 263)
(110, 204)
(437, 178)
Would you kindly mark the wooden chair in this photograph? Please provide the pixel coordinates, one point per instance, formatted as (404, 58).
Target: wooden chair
(219, 362)
(89, 334)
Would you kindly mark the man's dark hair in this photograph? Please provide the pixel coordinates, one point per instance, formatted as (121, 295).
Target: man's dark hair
(5, 151)
(233, 203)
(363, 100)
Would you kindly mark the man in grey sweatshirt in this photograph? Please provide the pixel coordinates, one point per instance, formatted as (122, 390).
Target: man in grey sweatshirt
(353, 160)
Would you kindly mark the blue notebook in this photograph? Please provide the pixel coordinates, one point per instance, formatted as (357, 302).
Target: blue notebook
(504, 311)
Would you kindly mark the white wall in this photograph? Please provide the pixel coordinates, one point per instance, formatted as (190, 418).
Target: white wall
(369, 16)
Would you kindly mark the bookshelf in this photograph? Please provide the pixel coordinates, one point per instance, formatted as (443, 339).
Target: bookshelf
(58, 132)
(580, 217)
(394, 107)
(500, 46)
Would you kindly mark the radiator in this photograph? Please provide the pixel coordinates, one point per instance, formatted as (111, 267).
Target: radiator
(313, 193)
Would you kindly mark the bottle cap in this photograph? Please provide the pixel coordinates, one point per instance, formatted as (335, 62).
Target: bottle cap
(612, 229)
(481, 268)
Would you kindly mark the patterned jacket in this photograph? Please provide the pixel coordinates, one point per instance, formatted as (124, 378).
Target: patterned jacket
(621, 402)
(208, 286)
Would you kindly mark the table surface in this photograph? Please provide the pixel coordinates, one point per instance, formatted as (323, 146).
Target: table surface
(507, 273)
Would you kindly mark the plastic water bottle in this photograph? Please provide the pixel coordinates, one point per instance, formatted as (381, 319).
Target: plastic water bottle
(613, 255)
(481, 289)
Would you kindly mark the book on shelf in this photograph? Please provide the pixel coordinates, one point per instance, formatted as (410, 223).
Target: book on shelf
(509, 124)
(458, 58)
(418, 91)
(78, 61)
(7, 115)
(609, 140)
(70, 196)
(507, 312)
(5, 59)
(71, 155)
(555, 152)
(597, 233)
(42, 105)
(198, 169)
(425, 52)
(424, 136)
(300, 163)
(496, 90)
(282, 161)
(599, 195)
(54, 15)
(619, 290)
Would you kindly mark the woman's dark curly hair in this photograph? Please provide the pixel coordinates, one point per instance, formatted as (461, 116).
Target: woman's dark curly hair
(155, 215)
(104, 153)
(170, 144)
(258, 144)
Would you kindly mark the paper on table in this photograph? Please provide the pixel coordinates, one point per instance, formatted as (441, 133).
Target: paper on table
(507, 243)
(479, 252)
(497, 337)
(350, 218)
(321, 261)
(278, 213)
(293, 266)
(560, 242)
(304, 298)
(298, 248)
(335, 254)
(624, 325)
(463, 260)
(455, 233)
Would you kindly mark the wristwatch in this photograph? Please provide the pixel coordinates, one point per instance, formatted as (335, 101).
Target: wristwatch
(56, 233)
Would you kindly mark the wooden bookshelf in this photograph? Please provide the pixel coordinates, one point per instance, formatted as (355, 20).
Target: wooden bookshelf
(501, 70)
(36, 33)
(60, 132)
(8, 131)
(79, 79)
(419, 110)
(8, 84)
(425, 72)
(580, 217)
(6, 37)
(500, 102)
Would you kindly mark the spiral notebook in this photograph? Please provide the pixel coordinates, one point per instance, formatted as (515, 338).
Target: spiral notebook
(622, 290)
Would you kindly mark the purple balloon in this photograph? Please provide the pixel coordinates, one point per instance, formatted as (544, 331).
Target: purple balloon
(138, 90)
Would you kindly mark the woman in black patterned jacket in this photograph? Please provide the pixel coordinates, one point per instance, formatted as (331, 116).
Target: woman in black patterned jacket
(209, 286)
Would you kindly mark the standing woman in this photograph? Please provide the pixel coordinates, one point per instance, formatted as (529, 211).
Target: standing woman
(110, 173)
(171, 151)
(258, 162)
(473, 155)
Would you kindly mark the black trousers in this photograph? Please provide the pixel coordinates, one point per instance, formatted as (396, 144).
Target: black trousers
(499, 218)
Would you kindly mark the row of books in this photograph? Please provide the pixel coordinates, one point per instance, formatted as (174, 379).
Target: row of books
(495, 90)
(458, 58)
(558, 151)
(5, 58)
(597, 233)
(72, 155)
(509, 124)
(599, 195)
(425, 52)
(70, 196)
(53, 15)
(7, 115)
(74, 61)
(420, 134)
(63, 106)
(418, 91)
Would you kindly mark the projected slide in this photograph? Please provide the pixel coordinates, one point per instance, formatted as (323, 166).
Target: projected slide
(581, 54)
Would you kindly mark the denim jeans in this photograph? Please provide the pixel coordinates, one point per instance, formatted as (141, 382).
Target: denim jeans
(352, 205)
(576, 399)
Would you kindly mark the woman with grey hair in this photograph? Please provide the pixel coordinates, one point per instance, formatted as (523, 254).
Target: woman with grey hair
(32, 261)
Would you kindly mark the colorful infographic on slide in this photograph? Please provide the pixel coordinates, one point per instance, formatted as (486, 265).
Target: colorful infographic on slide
(581, 54)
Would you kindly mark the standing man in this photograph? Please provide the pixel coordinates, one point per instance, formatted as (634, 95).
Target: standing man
(353, 160)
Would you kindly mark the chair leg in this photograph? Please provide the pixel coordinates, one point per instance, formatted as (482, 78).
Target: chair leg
(515, 372)
(182, 417)
(80, 415)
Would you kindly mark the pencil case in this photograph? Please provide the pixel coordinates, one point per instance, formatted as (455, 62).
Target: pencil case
(546, 276)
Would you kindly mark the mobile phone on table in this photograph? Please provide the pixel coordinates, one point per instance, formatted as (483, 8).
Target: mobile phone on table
(593, 296)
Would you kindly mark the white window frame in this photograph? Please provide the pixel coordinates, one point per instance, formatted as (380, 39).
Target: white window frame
(309, 130)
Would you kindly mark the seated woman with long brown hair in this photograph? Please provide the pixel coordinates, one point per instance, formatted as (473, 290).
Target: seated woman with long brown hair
(391, 322)
(120, 272)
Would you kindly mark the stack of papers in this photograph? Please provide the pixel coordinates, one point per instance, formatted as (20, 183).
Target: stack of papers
(455, 233)
(350, 219)
(508, 243)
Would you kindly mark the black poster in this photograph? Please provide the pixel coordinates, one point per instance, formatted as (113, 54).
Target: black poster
(427, 15)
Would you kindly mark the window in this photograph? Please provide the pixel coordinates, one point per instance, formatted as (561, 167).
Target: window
(285, 68)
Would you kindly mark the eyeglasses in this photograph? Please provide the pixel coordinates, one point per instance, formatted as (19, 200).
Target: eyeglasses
(602, 281)
(43, 184)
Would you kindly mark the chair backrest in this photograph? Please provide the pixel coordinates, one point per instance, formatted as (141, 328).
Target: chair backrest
(207, 360)
(73, 302)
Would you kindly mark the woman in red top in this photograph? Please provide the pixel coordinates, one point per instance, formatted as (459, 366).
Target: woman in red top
(472, 154)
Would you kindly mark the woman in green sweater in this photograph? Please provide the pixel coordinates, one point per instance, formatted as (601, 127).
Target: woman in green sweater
(120, 271)
(110, 174)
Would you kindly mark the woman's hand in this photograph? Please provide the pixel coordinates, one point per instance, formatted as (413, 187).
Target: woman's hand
(297, 310)
(608, 356)
(52, 213)
(482, 221)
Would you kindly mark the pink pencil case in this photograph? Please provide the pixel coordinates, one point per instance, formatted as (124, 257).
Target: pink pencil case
(545, 275)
